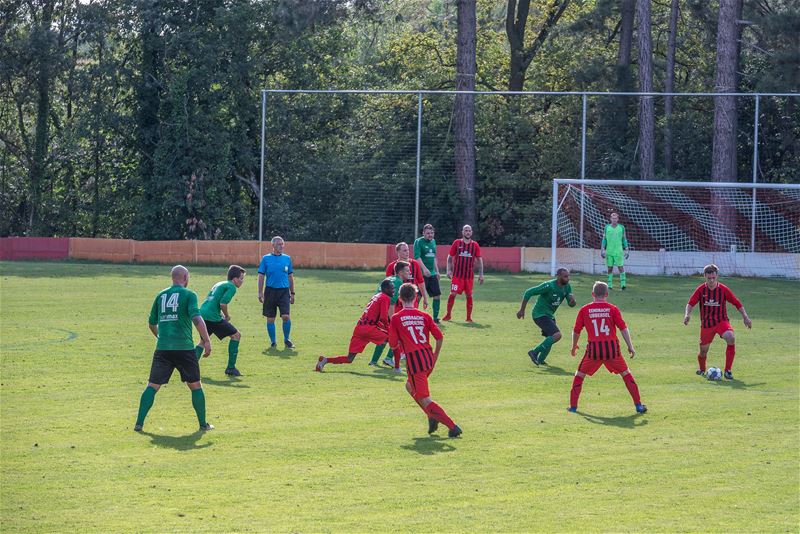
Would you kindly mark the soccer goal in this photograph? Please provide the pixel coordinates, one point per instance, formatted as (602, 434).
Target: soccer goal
(678, 227)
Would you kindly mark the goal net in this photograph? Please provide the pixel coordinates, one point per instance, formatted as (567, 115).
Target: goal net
(678, 227)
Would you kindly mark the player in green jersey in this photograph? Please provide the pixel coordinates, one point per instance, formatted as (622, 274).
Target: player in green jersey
(401, 274)
(425, 250)
(551, 294)
(171, 316)
(614, 249)
(215, 313)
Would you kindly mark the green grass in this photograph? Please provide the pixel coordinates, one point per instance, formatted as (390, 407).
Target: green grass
(347, 450)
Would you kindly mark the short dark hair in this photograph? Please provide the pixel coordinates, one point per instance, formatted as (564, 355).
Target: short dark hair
(408, 292)
(427, 227)
(710, 268)
(234, 271)
(386, 283)
(600, 289)
(561, 270)
(399, 266)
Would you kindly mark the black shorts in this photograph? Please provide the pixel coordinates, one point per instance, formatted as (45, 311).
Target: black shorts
(166, 361)
(432, 286)
(275, 298)
(221, 328)
(547, 325)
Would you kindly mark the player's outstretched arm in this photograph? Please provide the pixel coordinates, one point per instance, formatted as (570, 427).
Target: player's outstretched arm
(626, 335)
(686, 313)
(522, 306)
(571, 300)
(205, 341)
(746, 318)
(575, 337)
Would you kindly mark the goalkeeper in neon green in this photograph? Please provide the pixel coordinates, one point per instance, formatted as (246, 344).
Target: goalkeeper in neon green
(615, 249)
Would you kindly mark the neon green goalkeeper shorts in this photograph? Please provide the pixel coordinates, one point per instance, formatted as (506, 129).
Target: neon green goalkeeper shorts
(615, 260)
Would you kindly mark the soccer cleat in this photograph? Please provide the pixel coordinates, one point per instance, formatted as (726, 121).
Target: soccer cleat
(288, 344)
(446, 318)
(728, 375)
(273, 345)
(388, 362)
(641, 408)
(232, 371)
(206, 427)
(623, 288)
(321, 363)
(137, 428)
(454, 432)
(374, 364)
(398, 370)
(469, 320)
(542, 362)
(433, 425)
(534, 356)
(572, 409)
(436, 321)
(700, 372)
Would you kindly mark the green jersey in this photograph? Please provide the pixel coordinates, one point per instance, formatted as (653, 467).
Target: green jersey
(614, 240)
(551, 295)
(221, 293)
(397, 281)
(173, 311)
(425, 250)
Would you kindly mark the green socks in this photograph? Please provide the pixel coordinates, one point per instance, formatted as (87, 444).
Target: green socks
(376, 355)
(436, 304)
(544, 348)
(233, 352)
(611, 280)
(622, 279)
(198, 352)
(199, 403)
(145, 403)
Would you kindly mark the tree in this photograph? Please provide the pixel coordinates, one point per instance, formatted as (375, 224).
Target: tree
(723, 159)
(646, 108)
(669, 84)
(464, 108)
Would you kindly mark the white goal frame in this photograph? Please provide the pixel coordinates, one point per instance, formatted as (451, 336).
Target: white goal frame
(557, 182)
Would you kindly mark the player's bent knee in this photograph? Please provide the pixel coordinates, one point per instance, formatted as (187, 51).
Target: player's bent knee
(284, 317)
(556, 336)
(194, 385)
(625, 373)
(237, 336)
(154, 386)
(729, 336)
(425, 401)
(579, 374)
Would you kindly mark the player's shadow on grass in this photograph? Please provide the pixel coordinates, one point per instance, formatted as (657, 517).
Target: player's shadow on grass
(179, 443)
(231, 382)
(280, 353)
(553, 370)
(430, 445)
(736, 384)
(383, 374)
(624, 421)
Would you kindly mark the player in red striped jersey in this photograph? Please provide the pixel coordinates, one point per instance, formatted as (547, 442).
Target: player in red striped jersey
(410, 331)
(461, 259)
(418, 273)
(601, 320)
(371, 328)
(713, 298)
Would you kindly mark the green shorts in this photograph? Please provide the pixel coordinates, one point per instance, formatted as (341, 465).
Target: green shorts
(614, 260)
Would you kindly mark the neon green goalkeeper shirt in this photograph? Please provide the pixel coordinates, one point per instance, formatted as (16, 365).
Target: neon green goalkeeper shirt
(614, 240)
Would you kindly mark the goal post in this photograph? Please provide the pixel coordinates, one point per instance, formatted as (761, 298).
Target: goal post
(747, 229)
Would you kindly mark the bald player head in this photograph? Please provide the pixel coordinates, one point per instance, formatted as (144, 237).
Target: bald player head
(180, 275)
(466, 232)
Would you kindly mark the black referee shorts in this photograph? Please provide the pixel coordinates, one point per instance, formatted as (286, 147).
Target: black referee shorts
(432, 286)
(166, 361)
(220, 329)
(547, 325)
(275, 298)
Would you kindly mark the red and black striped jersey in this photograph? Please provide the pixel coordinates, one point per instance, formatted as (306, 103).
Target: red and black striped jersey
(601, 320)
(410, 331)
(464, 255)
(415, 266)
(377, 311)
(713, 304)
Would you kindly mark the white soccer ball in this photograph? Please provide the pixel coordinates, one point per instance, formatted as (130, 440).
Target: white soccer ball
(714, 373)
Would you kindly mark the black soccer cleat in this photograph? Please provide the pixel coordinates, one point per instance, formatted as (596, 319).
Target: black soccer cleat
(433, 425)
(273, 345)
(206, 427)
(700, 372)
(137, 428)
(454, 432)
(232, 371)
(288, 344)
(728, 375)
(623, 288)
(534, 356)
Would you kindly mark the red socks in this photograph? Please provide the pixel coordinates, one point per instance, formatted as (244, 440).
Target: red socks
(436, 411)
(469, 308)
(633, 389)
(577, 384)
(339, 359)
(701, 361)
(730, 353)
(450, 301)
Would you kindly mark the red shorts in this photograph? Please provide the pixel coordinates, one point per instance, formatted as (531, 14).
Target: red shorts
(461, 285)
(614, 365)
(364, 334)
(419, 384)
(707, 334)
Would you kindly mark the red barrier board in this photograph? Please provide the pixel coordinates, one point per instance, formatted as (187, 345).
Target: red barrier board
(34, 248)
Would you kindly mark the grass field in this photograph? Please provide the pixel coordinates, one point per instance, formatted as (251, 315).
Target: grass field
(347, 450)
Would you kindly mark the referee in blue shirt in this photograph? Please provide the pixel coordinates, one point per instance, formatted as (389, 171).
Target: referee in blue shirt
(278, 293)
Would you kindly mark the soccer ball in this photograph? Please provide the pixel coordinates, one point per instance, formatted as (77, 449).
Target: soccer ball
(714, 373)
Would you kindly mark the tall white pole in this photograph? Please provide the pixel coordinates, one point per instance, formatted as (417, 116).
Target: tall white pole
(554, 231)
(261, 185)
(583, 164)
(755, 179)
(419, 161)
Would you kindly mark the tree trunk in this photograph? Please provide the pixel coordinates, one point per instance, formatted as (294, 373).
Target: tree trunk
(723, 159)
(516, 20)
(669, 85)
(464, 109)
(646, 109)
(624, 74)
